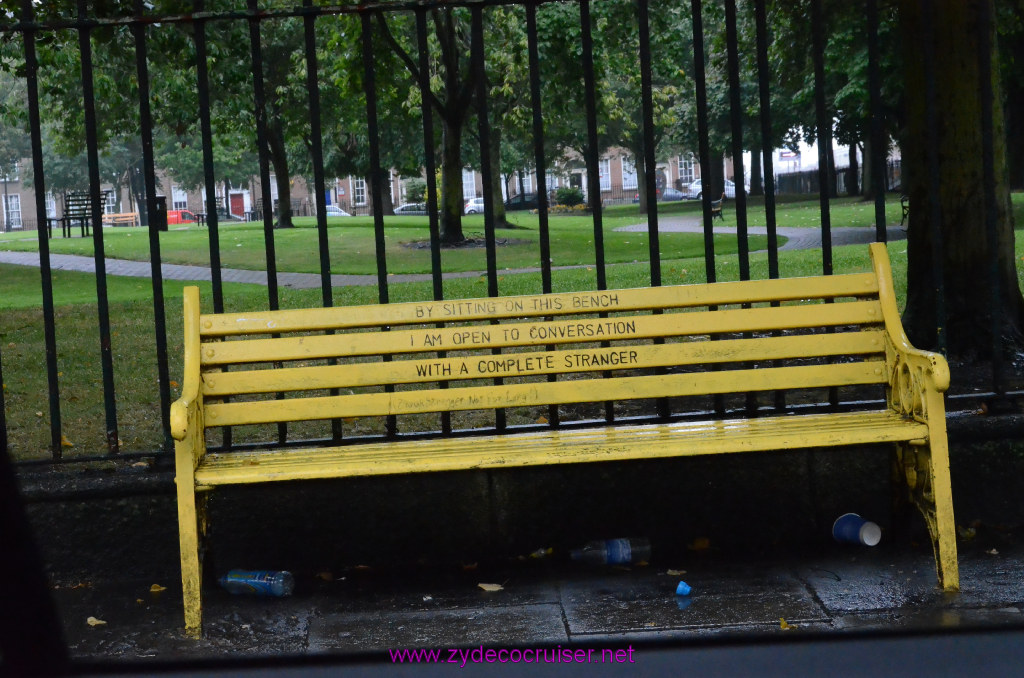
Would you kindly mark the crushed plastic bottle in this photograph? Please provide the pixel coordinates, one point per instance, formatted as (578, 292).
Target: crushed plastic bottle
(258, 582)
(614, 551)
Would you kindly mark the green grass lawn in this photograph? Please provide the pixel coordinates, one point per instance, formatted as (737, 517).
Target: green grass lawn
(353, 251)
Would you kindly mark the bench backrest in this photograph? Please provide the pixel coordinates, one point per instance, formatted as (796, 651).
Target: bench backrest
(539, 350)
(78, 204)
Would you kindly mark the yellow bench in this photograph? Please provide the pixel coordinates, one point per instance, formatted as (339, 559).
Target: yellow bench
(523, 354)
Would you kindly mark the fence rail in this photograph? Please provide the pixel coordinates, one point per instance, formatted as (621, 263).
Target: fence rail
(311, 29)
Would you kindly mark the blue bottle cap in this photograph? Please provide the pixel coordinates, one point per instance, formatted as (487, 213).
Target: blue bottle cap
(683, 589)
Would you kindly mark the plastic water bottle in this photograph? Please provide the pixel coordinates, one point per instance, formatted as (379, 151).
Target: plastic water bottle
(259, 582)
(614, 551)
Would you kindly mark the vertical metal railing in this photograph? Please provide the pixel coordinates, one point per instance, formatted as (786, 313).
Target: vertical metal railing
(373, 132)
(45, 273)
(989, 192)
(206, 136)
(92, 154)
(430, 169)
(823, 129)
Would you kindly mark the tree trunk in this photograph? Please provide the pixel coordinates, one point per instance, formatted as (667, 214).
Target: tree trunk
(714, 183)
(831, 174)
(852, 184)
(497, 202)
(641, 180)
(868, 170)
(279, 159)
(387, 205)
(451, 183)
(756, 187)
(967, 254)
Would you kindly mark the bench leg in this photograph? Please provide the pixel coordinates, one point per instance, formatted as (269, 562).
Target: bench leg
(926, 472)
(191, 530)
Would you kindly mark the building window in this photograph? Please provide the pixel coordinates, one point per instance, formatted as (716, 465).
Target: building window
(273, 187)
(468, 184)
(51, 206)
(110, 203)
(358, 191)
(179, 199)
(604, 168)
(12, 211)
(628, 175)
(527, 186)
(686, 169)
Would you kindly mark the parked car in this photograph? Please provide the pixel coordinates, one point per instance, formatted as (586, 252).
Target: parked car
(669, 194)
(411, 209)
(474, 206)
(694, 191)
(335, 211)
(665, 194)
(523, 201)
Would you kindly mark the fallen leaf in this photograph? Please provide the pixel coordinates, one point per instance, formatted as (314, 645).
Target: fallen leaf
(542, 419)
(140, 601)
(64, 442)
(675, 573)
(785, 626)
(542, 553)
(491, 587)
(140, 464)
(93, 621)
(156, 588)
(38, 413)
(993, 552)
(174, 384)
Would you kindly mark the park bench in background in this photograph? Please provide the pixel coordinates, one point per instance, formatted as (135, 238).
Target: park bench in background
(78, 211)
(716, 208)
(121, 219)
(677, 345)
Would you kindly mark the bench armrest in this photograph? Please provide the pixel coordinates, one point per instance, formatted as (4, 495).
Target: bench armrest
(186, 415)
(917, 379)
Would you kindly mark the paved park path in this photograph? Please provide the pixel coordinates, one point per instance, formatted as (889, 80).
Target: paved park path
(797, 238)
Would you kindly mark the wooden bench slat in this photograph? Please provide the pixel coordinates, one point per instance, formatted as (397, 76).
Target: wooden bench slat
(534, 333)
(667, 297)
(541, 362)
(565, 446)
(543, 393)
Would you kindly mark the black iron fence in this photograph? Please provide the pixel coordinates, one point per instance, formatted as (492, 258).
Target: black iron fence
(199, 28)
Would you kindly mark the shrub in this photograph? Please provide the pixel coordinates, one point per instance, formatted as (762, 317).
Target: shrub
(416, 190)
(569, 195)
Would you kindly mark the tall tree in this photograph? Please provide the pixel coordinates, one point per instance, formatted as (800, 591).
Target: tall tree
(965, 251)
(450, 83)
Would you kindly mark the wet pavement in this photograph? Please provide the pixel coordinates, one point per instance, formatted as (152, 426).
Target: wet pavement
(367, 612)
